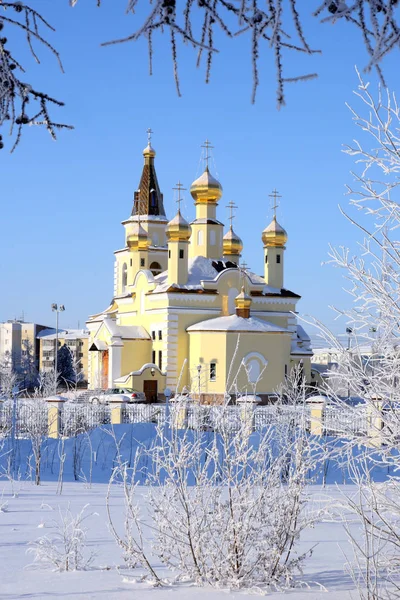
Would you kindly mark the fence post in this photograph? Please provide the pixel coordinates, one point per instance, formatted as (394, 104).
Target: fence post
(375, 421)
(180, 414)
(317, 415)
(55, 406)
(116, 416)
(247, 415)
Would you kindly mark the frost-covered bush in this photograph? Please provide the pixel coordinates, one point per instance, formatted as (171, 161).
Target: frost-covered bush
(220, 508)
(64, 549)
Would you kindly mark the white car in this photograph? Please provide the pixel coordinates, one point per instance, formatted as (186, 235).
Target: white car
(118, 395)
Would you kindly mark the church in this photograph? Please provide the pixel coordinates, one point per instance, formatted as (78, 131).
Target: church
(186, 314)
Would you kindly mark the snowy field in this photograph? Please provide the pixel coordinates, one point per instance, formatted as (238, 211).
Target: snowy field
(31, 513)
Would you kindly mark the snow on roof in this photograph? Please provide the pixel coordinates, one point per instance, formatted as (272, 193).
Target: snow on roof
(67, 334)
(235, 323)
(126, 332)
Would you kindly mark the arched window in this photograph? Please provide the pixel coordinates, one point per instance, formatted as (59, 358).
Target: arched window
(213, 237)
(155, 268)
(124, 276)
(254, 364)
(200, 237)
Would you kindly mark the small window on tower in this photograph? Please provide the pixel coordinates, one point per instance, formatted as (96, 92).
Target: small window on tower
(142, 262)
(131, 262)
(266, 258)
(278, 258)
(160, 360)
(213, 371)
(159, 334)
(181, 253)
(153, 335)
(153, 357)
(169, 253)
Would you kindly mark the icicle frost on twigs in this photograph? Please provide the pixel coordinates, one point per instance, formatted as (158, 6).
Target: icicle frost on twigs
(20, 103)
(277, 23)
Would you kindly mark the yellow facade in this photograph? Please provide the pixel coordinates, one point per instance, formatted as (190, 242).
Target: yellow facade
(177, 319)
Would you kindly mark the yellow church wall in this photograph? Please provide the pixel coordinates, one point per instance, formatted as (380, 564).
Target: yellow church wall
(205, 348)
(275, 347)
(135, 354)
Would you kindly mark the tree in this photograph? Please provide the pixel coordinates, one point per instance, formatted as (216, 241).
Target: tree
(28, 366)
(199, 25)
(65, 364)
(374, 318)
(8, 377)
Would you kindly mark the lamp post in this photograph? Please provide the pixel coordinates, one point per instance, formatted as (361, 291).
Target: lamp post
(57, 309)
(349, 331)
(199, 379)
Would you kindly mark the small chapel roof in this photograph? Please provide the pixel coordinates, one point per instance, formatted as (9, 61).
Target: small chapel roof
(235, 323)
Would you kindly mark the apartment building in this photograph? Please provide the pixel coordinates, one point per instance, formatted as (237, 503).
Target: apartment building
(19, 341)
(77, 342)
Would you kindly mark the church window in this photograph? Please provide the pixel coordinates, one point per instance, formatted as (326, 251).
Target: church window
(153, 335)
(124, 276)
(160, 360)
(159, 334)
(181, 253)
(142, 262)
(155, 268)
(200, 238)
(213, 371)
(278, 258)
(169, 253)
(266, 258)
(213, 238)
(131, 262)
(153, 357)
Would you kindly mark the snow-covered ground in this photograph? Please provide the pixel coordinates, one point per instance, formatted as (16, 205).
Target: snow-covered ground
(31, 515)
(30, 511)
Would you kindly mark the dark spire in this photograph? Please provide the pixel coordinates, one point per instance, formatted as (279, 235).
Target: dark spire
(148, 200)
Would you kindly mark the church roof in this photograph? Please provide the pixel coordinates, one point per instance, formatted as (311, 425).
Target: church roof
(148, 199)
(235, 323)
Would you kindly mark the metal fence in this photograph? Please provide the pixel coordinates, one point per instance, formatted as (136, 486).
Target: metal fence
(343, 421)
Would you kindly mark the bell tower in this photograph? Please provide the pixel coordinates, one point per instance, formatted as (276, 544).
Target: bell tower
(207, 231)
(274, 238)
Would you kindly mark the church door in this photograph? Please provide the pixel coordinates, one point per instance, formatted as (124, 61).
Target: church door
(150, 389)
(104, 369)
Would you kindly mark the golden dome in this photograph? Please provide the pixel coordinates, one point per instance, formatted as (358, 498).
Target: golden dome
(231, 243)
(274, 234)
(149, 151)
(178, 229)
(138, 238)
(206, 188)
(243, 301)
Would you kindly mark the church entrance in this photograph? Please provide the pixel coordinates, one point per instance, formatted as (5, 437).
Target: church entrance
(150, 389)
(104, 369)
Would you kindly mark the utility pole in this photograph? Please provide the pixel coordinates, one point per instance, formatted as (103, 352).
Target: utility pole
(57, 309)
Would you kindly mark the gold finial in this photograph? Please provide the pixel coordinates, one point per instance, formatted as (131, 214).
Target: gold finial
(207, 146)
(179, 188)
(275, 204)
(149, 133)
(231, 207)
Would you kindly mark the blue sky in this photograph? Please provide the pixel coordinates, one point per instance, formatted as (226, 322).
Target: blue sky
(62, 202)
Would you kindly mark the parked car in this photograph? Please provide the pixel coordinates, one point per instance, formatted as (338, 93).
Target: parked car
(118, 395)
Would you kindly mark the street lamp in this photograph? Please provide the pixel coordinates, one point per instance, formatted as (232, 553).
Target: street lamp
(349, 331)
(57, 309)
(199, 379)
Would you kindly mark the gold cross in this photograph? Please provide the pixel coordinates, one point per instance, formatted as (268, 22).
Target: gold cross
(149, 132)
(179, 188)
(275, 197)
(231, 206)
(243, 268)
(207, 146)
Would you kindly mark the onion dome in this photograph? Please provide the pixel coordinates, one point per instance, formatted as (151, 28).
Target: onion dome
(178, 229)
(149, 151)
(243, 303)
(206, 188)
(274, 234)
(138, 238)
(231, 243)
